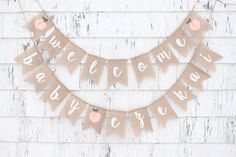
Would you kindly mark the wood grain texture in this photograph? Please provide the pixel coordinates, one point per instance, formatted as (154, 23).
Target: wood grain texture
(118, 29)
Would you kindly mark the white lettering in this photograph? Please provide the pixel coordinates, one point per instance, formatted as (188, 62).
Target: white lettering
(54, 95)
(74, 106)
(208, 58)
(182, 96)
(92, 69)
(40, 77)
(54, 43)
(180, 43)
(142, 67)
(28, 60)
(194, 76)
(163, 55)
(162, 111)
(140, 118)
(113, 122)
(116, 72)
(71, 56)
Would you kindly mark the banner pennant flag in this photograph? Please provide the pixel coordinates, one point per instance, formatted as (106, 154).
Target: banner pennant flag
(29, 60)
(194, 76)
(182, 42)
(42, 77)
(116, 123)
(162, 110)
(72, 108)
(93, 68)
(140, 121)
(142, 67)
(55, 94)
(39, 25)
(95, 118)
(71, 57)
(180, 94)
(195, 25)
(117, 72)
(206, 57)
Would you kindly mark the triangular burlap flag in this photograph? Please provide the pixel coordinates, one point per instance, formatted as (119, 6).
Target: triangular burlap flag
(117, 72)
(95, 118)
(41, 77)
(93, 68)
(162, 110)
(206, 57)
(140, 121)
(55, 94)
(142, 67)
(39, 25)
(73, 108)
(72, 56)
(164, 56)
(182, 42)
(54, 43)
(195, 25)
(116, 123)
(30, 59)
(180, 94)
(194, 76)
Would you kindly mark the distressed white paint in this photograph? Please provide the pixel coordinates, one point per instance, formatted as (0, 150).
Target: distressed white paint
(117, 29)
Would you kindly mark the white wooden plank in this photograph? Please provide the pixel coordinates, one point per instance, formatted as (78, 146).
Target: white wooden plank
(116, 150)
(10, 129)
(111, 5)
(13, 149)
(150, 24)
(187, 130)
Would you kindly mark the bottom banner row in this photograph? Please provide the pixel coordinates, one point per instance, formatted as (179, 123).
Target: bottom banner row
(116, 121)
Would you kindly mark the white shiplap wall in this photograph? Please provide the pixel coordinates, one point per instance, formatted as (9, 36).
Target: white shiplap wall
(117, 29)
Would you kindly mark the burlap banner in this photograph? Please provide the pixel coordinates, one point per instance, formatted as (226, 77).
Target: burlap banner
(56, 93)
(187, 36)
